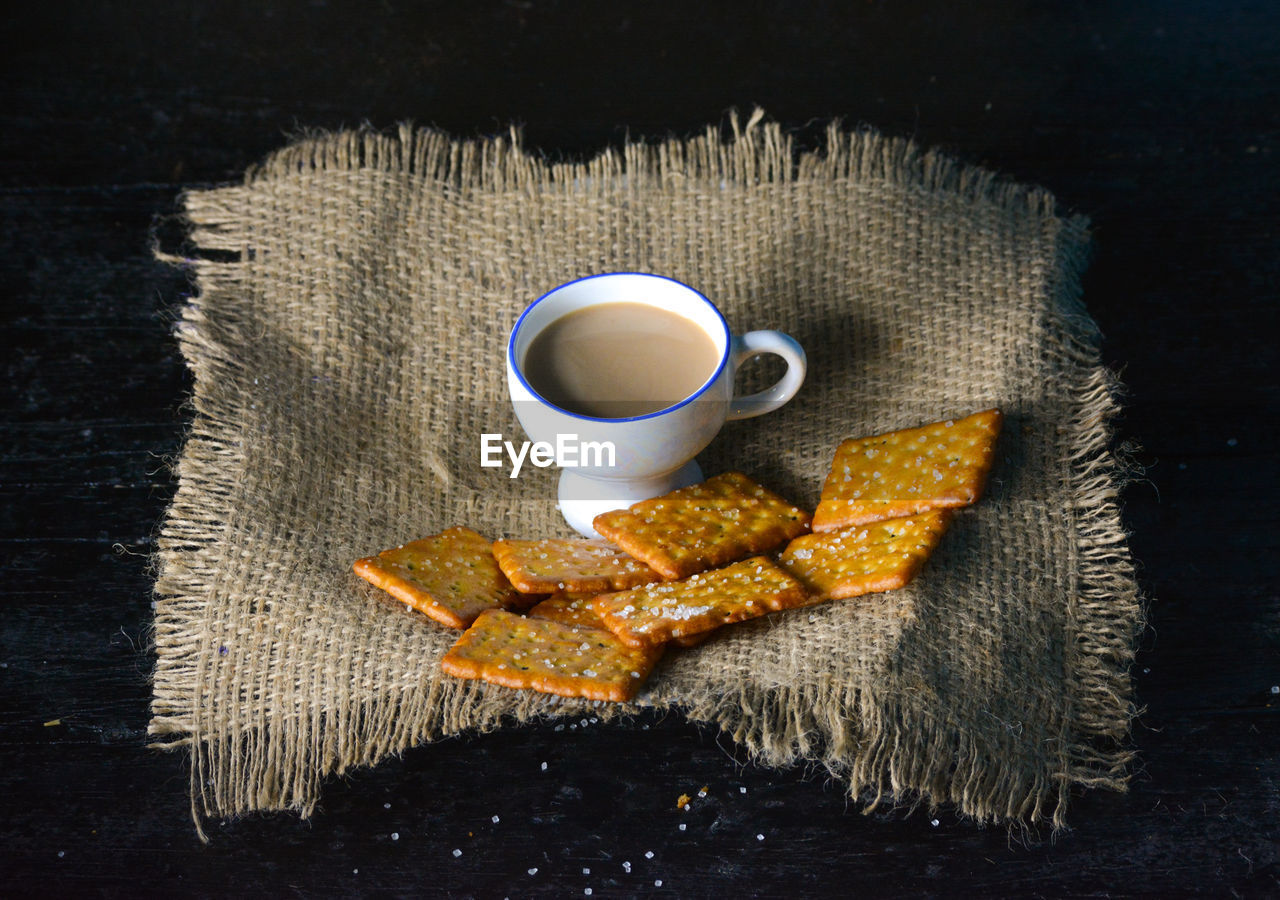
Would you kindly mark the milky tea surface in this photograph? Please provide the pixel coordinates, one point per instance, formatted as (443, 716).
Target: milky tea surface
(617, 360)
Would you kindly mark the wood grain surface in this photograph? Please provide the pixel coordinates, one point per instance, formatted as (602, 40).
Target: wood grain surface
(1159, 120)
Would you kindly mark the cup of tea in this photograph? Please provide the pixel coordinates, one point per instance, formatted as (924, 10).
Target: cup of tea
(624, 378)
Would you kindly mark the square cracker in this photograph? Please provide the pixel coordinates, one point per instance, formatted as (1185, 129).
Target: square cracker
(705, 525)
(656, 613)
(902, 473)
(864, 559)
(576, 565)
(451, 576)
(549, 656)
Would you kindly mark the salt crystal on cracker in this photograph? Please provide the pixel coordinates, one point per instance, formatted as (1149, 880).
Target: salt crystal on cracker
(656, 613)
(451, 576)
(864, 559)
(570, 608)
(548, 656)
(902, 473)
(706, 525)
(577, 565)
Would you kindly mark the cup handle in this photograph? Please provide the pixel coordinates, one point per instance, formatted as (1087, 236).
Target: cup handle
(753, 343)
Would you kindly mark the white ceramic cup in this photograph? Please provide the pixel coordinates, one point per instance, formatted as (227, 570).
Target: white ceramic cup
(653, 453)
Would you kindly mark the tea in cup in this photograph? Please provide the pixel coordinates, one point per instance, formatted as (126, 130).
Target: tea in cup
(628, 376)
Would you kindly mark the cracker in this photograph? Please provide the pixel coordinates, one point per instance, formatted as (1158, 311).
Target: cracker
(864, 559)
(901, 473)
(571, 608)
(451, 576)
(549, 656)
(696, 528)
(575, 609)
(577, 565)
(656, 613)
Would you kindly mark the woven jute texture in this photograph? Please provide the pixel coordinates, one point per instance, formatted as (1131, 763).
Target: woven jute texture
(347, 338)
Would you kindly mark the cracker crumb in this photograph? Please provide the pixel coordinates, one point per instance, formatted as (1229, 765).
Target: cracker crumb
(682, 802)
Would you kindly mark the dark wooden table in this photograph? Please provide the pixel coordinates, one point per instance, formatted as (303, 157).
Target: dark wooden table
(1160, 120)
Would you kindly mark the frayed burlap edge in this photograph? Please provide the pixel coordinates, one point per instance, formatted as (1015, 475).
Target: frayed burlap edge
(852, 736)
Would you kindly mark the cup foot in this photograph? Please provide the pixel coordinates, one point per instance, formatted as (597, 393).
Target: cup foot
(581, 499)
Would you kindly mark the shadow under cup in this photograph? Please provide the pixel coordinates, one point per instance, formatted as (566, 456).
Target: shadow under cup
(610, 463)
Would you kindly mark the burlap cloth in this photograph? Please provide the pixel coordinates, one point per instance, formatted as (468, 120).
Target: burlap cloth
(347, 338)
